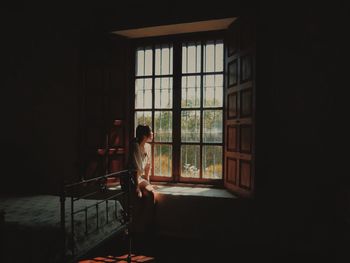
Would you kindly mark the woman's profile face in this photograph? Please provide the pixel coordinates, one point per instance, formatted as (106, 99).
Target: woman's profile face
(150, 137)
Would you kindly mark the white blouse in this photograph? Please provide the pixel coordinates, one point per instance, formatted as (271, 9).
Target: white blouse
(141, 157)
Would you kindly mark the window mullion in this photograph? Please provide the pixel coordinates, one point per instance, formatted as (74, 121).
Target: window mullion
(153, 102)
(201, 112)
(177, 55)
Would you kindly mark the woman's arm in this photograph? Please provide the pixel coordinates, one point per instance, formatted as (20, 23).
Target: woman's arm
(137, 163)
(148, 165)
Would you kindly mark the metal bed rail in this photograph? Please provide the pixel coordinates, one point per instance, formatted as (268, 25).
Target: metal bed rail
(72, 191)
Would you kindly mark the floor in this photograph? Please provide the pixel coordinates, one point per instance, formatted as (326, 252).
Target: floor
(221, 236)
(181, 250)
(169, 249)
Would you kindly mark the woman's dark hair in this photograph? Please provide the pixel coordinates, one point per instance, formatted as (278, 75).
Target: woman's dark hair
(142, 130)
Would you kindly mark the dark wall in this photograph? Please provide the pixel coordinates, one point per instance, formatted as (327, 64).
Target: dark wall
(61, 67)
(299, 80)
(105, 72)
(39, 101)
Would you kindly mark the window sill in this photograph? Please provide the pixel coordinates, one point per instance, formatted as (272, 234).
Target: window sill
(193, 190)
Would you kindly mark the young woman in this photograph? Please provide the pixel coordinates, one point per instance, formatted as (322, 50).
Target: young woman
(144, 199)
(140, 160)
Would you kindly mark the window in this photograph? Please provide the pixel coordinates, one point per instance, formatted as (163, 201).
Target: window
(184, 107)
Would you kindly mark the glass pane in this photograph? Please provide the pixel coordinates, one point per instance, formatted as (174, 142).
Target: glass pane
(209, 51)
(212, 162)
(163, 125)
(213, 56)
(164, 59)
(163, 93)
(191, 93)
(212, 126)
(144, 118)
(144, 61)
(191, 57)
(148, 61)
(219, 56)
(190, 126)
(162, 160)
(143, 93)
(213, 90)
(190, 161)
(140, 62)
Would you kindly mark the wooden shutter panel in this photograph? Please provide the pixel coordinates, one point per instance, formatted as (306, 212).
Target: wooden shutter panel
(239, 169)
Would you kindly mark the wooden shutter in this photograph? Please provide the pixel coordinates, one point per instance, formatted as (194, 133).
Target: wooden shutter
(240, 107)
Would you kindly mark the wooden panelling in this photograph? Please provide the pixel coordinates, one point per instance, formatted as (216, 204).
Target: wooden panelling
(232, 138)
(245, 138)
(231, 170)
(246, 68)
(246, 103)
(240, 111)
(245, 174)
(232, 73)
(232, 105)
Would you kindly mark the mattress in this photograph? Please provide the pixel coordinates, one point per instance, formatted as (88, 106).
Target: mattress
(32, 224)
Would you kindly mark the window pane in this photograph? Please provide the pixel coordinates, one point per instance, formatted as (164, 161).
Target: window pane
(148, 61)
(191, 93)
(213, 56)
(163, 93)
(190, 161)
(163, 125)
(209, 49)
(190, 126)
(144, 61)
(219, 56)
(140, 62)
(144, 118)
(213, 91)
(162, 160)
(212, 126)
(191, 57)
(143, 93)
(212, 162)
(164, 59)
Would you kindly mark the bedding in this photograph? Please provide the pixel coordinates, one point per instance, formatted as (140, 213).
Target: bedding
(32, 227)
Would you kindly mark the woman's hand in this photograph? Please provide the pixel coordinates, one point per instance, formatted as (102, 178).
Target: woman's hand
(138, 192)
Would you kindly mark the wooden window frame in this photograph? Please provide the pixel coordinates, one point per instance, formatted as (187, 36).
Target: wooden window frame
(176, 41)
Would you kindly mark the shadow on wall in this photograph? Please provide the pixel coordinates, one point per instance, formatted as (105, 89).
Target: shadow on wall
(20, 173)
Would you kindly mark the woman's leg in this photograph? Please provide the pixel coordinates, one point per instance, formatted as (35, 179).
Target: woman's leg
(147, 190)
(149, 205)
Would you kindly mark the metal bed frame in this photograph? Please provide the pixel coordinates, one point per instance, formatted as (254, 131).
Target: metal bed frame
(70, 191)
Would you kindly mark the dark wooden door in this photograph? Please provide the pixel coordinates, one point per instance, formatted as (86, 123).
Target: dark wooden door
(239, 168)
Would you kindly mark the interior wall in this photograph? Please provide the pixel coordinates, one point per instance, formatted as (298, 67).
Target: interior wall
(39, 102)
(105, 73)
(48, 55)
(298, 57)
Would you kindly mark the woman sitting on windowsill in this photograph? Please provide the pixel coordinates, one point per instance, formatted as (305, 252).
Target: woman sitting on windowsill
(139, 160)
